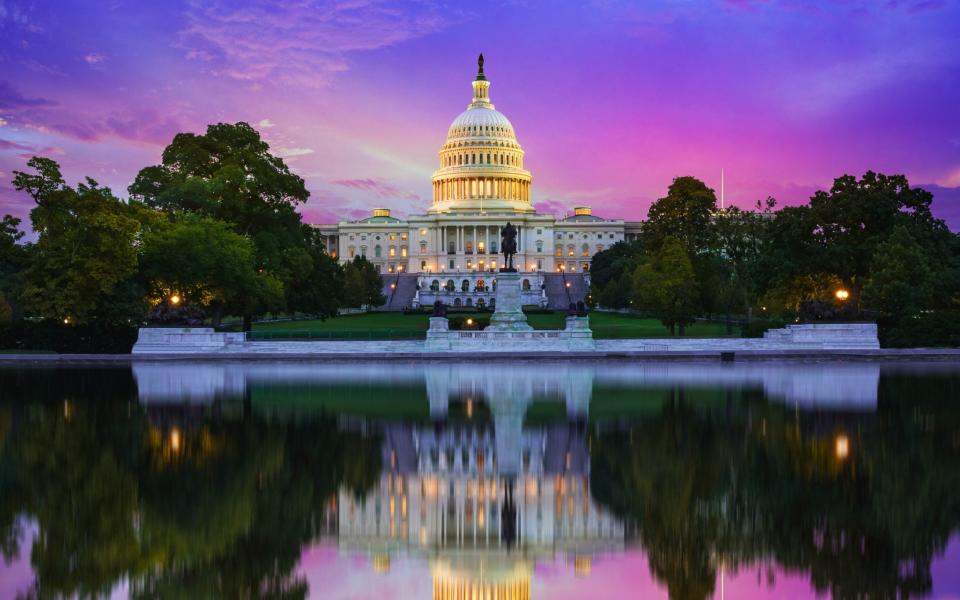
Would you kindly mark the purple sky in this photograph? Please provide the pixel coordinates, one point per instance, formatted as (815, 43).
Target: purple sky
(611, 99)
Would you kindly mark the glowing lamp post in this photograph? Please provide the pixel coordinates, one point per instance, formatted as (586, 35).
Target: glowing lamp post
(841, 447)
(175, 299)
(841, 295)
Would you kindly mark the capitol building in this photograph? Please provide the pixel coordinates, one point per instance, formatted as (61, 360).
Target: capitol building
(480, 185)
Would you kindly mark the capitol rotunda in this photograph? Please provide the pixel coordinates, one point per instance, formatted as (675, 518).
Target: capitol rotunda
(451, 252)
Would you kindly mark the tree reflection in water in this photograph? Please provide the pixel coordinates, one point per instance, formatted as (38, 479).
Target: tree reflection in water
(219, 499)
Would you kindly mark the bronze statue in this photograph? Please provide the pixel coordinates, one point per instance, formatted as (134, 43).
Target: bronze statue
(508, 247)
(480, 74)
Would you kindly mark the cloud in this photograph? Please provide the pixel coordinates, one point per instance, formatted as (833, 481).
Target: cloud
(380, 188)
(93, 59)
(266, 124)
(3, 122)
(11, 99)
(28, 151)
(291, 152)
(301, 42)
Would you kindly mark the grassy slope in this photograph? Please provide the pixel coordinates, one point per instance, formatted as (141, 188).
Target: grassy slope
(605, 325)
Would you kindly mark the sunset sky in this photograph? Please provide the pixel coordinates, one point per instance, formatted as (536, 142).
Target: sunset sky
(610, 99)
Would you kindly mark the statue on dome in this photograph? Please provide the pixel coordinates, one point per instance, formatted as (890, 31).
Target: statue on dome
(480, 74)
(508, 247)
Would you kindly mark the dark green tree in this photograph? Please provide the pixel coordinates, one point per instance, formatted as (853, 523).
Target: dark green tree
(229, 174)
(665, 286)
(899, 284)
(207, 264)
(362, 285)
(85, 245)
(685, 214)
(610, 271)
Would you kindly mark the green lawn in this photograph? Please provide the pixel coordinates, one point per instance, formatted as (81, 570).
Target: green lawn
(398, 325)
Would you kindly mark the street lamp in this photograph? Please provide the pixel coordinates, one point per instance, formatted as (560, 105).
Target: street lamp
(175, 299)
(842, 447)
(842, 294)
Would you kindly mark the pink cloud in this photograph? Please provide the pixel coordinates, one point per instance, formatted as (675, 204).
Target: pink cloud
(301, 42)
(380, 188)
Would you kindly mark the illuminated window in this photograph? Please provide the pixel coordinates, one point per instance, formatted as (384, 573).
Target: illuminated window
(403, 251)
(393, 251)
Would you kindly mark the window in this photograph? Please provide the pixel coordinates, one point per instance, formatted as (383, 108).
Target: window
(539, 264)
(585, 251)
(559, 250)
(363, 251)
(481, 248)
(377, 251)
(539, 245)
(423, 265)
(526, 285)
(403, 251)
(465, 285)
(469, 247)
(393, 237)
(559, 236)
(403, 237)
(611, 236)
(539, 232)
(393, 251)
(423, 247)
(451, 285)
(352, 251)
(469, 264)
(435, 285)
(453, 265)
(570, 250)
(570, 236)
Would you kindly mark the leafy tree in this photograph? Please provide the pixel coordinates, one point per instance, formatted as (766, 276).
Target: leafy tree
(899, 282)
(207, 264)
(230, 175)
(685, 214)
(85, 244)
(362, 285)
(610, 271)
(666, 287)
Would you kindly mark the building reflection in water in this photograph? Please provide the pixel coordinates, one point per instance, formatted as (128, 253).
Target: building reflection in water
(473, 490)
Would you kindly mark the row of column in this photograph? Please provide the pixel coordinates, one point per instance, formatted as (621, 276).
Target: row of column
(460, 238)
(481, 187)
(463, 590)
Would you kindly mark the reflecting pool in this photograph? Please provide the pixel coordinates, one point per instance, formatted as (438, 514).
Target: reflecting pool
(489, 480)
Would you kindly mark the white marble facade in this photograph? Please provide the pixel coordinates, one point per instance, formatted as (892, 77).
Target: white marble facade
(480, 185)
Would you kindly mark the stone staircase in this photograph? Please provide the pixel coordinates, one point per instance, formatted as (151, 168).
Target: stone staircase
(400, 296)
(559, 296)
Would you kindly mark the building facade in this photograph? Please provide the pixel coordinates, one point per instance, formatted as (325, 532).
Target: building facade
(480, 185)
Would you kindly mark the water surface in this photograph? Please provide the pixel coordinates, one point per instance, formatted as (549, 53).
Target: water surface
(486, 479)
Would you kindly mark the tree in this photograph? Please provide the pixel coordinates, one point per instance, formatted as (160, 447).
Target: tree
(899, 284)
(207, 264)
(685, 214)
(665, 286)
(848, 223)
(12, 261)
(362, 285)
(85, 244)
(610, 271)
(230, 175)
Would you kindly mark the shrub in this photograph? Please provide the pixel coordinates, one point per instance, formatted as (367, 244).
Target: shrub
(929, 330)
(53, 336)
(756, 327)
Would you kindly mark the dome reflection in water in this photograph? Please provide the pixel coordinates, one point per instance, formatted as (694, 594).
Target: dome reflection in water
(521, 480)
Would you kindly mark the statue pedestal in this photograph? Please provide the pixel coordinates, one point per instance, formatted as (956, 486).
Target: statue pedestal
(508, 314)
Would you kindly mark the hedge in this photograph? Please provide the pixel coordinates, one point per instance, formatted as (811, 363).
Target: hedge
(54, 336)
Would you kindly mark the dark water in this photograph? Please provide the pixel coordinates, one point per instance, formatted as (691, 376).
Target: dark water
(482, 480)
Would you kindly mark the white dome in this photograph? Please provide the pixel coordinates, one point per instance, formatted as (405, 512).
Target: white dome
(481, 122)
